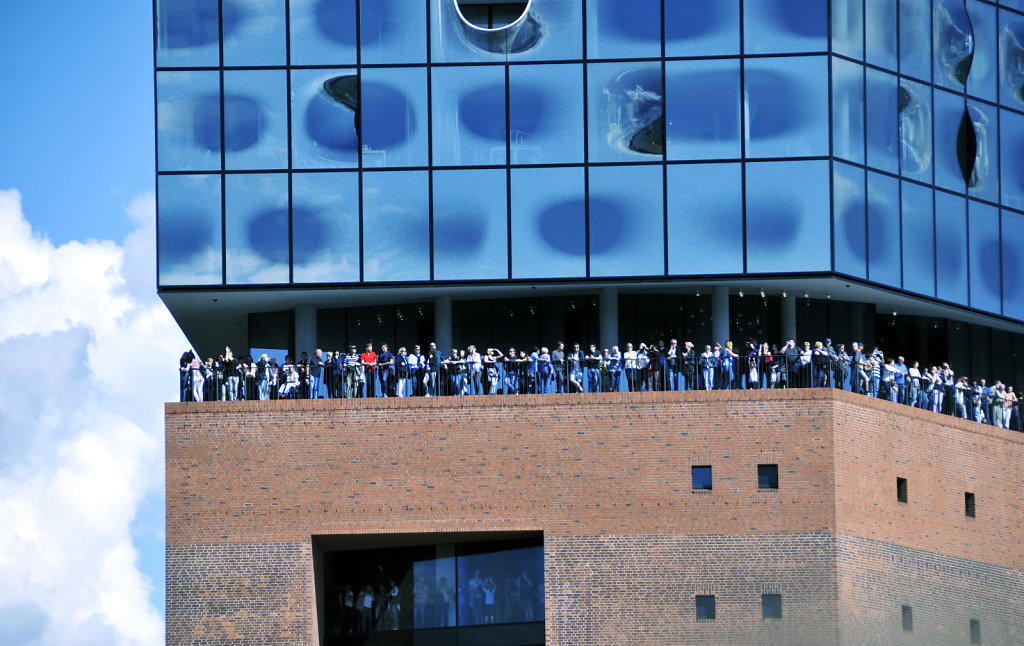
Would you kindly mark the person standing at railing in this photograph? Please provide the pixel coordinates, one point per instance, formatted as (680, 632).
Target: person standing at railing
(574, 366)
(231, 374)
(476, 371)
(615, 369)
(630, 366)
(729, 360)
(913, 384)
(670, 356)
(655, 366)
(316, 373)
(433, 369)
(819, 365)
(368, 360)
(386, 371)
(592, 363)
(558, 366)
(1009, 406)
(604, 367)
(961, 395)
(263, 378)
(938, 391)
(889, 379)
(708, 362)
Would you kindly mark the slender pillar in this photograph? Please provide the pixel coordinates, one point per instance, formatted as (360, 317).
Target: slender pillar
(787, 309)
(609, 313)
(305, 330)
(720, 313)
(443, 324)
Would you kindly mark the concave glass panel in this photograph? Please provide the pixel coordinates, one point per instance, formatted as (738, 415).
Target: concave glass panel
(189, 230)
(784, 26)
(915, 115)
(984, 178)
(701, 28)
(470, 224)
(1013, 4)
(953, 44)
(323, 119)
(551, 30)
(549, 235)
(188, 120)
(982, 80)
(255, 120)
(702, 107)
(617, 29)
(984, 256)
(884, 229)
(393, 31)
(546, 114)
(1011, 152)
(951, 247)
(259, 38)
(880, 20)
(788, 217)
(627, 221)
(396, 226)
(850, 220)
(848, 110)
(705, 219)
(848, 28)
(786, 106)
(625, 112)
(1013, 264)
(883, 121)
(393, 108)
(915, 38)
(256, 229)
(188, 32)
(1011, 60)
(468, 115)
(323, 32)
(949, 112)
(918, 239)
(325, 227)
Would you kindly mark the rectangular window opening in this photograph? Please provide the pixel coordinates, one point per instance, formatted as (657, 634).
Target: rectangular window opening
(901, 490)
(705, 607)
(908, 619)
(771, 606)
(767, 476)
(701, 476)
(975, 631)
(969, 504)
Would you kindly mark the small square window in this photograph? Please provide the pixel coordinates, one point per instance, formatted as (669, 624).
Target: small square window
(901, 489)
(908, 619)
(705, 607)
(969, 504)
(975, 631)
(701, 478)
(771, 606)
(767, 476)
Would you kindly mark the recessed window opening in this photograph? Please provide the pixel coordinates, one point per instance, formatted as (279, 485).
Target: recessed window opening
(705, 607)
(901, 490)
(767, 476)
(771, 606)
(701, 476)
(975, 631)
(488, 14)
(969, 504)
(908, 618)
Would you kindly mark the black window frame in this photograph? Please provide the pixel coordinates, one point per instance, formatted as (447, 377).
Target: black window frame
(768, 477)
(698, 469)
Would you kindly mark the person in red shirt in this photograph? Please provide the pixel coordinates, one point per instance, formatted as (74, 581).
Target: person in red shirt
(369, 361)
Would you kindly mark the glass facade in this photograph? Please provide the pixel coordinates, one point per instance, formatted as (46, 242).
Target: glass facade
(365, 142)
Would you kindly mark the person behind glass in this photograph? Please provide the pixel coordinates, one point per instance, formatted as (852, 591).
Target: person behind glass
(558, 367)
(592, 363)
(475, 364)
(615, 369)
(368, 362)
(433, 368)
(574, 368)
(489, 588)
(386, 371)
(401, 373)
(511, 372)
(708, 364)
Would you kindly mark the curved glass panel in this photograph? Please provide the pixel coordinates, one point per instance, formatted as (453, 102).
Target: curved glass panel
(1012, 230)
(551, 30)
(788, 217)
(188, 32)
(549, 235)
(392, 31)
(188, 120)
(984, 256)
(915, 39)
(546, 114)
(393, 116)
(627, 221)
(915, 114)
(325, 227)
(880, 20)
(556, 32)
(848, 110)
(786, 106)
(981, 82)
(259, 38)
(784, 26)
(951, 247)
(470, 224)
(625, 109)
(396, 226)
(1011, 152)
(850, 224)
(918, 223)
(469, 115)
(848, 28)
(255, 120)
(953, 43)
(188, 230)
(701, 28)
(704, 125)
(949, 112)
(323, 32)
(323, 121)
(705, 218)
(256, 229)
(1011, 59)
(617, 29)
(984, 180)
(884, 229)
(883, 122)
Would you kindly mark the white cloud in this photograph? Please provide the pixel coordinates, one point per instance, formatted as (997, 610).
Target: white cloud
(90, 356)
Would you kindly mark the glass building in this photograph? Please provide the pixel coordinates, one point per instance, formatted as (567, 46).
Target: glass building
(336, 171)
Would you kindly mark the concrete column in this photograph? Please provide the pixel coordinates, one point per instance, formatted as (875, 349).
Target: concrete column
(720, 314)
(443, 324)
(305, 330)
(787, 311)
(609, 314)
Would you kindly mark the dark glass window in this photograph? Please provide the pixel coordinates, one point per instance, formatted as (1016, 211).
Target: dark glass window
(701, 478)
(975, 631)
(771, 606)
(705, 607)
(901, 489)
(969, 504)
(767, 476)
(908, 618)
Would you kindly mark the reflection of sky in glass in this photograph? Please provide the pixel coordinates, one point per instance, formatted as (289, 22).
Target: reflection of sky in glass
(470, 224)
(787, 108)
(188, 32)
(323, 129)
(323, 32)
(704, 126)
(949, 110)
(880, 32)
(1013, 264)
(984, 256)
(848, 110)
(325, 227)
(545, 114)
(705, 218)
(255, 119)
(984, 66)
(560, 23)
(701, 28)
(256, 226)
(188, 120)
(626, 221)
(778, 26)
(394, 116)
(918, 239)
(617, 29)
(1011, 152)
(915, 130)
(788, 216)
(468, 115)
(623, 100)
(884, 229)
(951, 247)
(189, 238)
(883, 125)
(393, 31)
(259, 38)
(850, 229)
(985, 178)
(396, 226)
(548, 223)
(847, 28)
(915, 39)
(952, 43)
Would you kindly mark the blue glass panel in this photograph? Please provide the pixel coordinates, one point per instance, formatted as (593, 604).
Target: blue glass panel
(701, 28)
(918, 239)
(780, 26)
(188, 32)
(546, 114)
(549, 238)
(495, 568)
(323, 32)
(982, 80)
(848, 110)
(1013, 4)
(880, 32)
(396, 226)
(470, 224)
(984, 179)
(951, 247)
(848, 28)
(256, 229)
(255, 119)
(626, 112)
(949, 112)
(323, 119)
(984, 267)
(915, 114)
(850, 227)
(884, 229)
(325, 227)
(188, 225)
(704, 126)
(1011, 60)
(551, 30)
(469, 115)
(627, 221)
(1013, 264)
(787, 106)
(788, 217)
(705, 219)
(259, 38)
(915, 38)
(883, 121)
(393, 31)
(1011, 152)
(393, 104)
(952, 42)
(617, 29)
(188, 120)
